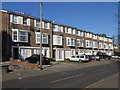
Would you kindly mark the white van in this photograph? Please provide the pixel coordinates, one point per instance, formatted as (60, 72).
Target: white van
(84, 58)
(74, 58)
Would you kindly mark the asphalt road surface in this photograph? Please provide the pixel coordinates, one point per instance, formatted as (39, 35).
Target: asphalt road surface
(80, 78)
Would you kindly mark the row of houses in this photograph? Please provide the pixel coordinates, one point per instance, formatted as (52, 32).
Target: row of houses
(21, 38)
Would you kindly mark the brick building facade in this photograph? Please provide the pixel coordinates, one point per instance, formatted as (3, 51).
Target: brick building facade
(21, 38)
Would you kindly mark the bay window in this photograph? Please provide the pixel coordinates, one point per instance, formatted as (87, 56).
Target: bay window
(19, 35)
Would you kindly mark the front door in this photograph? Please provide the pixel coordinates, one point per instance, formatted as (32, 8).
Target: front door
(15, 53)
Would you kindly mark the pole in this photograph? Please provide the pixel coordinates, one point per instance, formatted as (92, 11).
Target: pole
(40, 62)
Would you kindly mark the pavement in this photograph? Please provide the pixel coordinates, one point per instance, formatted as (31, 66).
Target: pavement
(96, 74)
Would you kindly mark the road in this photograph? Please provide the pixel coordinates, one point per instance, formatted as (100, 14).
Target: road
(80, 78)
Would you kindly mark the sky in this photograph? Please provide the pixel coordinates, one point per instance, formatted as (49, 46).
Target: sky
(97, 17)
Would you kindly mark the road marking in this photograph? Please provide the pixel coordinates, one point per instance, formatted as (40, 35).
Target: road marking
(66, 78)
(90, 86)
(99, 70)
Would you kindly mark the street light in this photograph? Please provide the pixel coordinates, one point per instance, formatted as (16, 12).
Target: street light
(40, 62)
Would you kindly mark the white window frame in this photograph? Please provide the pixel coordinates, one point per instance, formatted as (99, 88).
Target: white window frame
(46, 25)
(38, 42)
(80, 43)
(70, 41)
(18, 35)
(57, 40)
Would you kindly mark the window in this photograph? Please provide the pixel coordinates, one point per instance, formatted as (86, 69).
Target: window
(25, 21)
(69, 30)
(15, 19)
(44, 38)
(70, 41)
(79, 43)
(57, 40)
(15, 35)
(37, 23)
(23, 36)
(90, 43)
(87, 44)
(46, 25)
(37, 38)
(57, 28)
(77, 32)
(74, 31)
(81, 33)
(19, 35)
(81, 56)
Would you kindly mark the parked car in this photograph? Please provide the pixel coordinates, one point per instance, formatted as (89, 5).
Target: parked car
(84, 58)
(97, 57)
(74, 58)
(91, 57)
(115, 56)
(35, 59)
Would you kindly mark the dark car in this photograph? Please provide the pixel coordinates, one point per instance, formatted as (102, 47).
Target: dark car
(35, 58)
(90, 57)
(107, 57)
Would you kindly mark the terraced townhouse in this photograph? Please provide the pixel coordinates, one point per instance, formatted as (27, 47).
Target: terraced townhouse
(21, 38)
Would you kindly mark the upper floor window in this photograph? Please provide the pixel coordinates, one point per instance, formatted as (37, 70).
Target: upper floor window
(100, 38)
(46, 25)
(14, 19)
(95, 44)
(87, 35)
(110, 40)
(80, 43)
(90, 35)
(70, 30)
(94, 36)
(79, 33)
(57, 40)
(101, 45)
(19, 20)
(88, 44)
(19, 35)
(44, 38)
(57, 28)
(25, 21)
(70, 41)
(37, 23)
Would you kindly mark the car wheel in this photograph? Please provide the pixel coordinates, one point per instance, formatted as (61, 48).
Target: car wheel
(68, 59)
(80, 61)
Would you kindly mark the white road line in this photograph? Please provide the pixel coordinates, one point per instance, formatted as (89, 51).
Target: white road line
(66, 78)
(99, 70)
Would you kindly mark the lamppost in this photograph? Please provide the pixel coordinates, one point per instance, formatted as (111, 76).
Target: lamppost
(40, 62)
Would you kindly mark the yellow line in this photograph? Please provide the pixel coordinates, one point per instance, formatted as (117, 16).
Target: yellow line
(90, 86)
